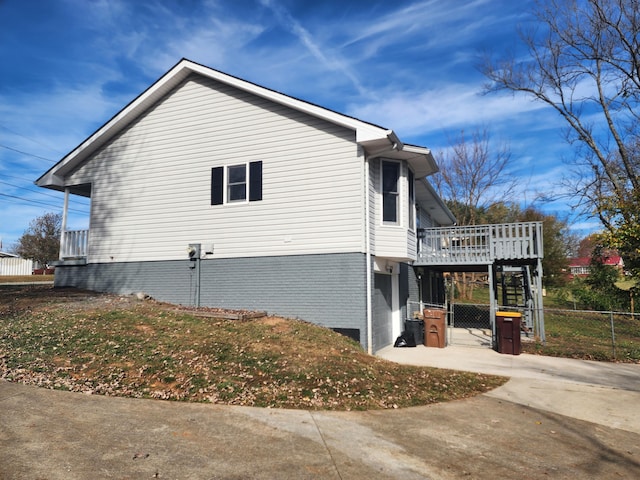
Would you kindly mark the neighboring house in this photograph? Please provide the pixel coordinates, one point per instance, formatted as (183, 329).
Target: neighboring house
(210, 190)
(11, 264)
(581, 266)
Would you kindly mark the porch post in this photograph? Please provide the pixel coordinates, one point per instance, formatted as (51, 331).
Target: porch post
(63, 228)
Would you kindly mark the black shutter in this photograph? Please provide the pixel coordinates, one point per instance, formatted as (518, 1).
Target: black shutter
(255, 181)
(217, 185)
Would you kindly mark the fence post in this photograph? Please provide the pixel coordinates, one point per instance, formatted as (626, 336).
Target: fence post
(613, 336)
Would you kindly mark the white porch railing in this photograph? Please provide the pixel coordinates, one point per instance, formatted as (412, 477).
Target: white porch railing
(480, 244)
(74, 244)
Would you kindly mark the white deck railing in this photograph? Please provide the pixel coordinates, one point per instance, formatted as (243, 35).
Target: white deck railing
(74, 244)
(480, 244)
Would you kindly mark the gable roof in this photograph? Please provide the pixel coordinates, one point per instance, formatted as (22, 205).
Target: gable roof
(371, 137)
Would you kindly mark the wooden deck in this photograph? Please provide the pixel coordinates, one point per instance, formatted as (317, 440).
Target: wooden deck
(480, 244)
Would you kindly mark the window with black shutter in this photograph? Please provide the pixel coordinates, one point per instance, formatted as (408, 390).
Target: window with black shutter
(236, 183)
(217, 186)
(255, 181)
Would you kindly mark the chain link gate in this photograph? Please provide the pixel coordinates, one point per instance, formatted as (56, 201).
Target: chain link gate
(470, 325)
(467, 324)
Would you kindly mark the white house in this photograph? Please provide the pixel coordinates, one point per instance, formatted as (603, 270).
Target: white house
(211, 190)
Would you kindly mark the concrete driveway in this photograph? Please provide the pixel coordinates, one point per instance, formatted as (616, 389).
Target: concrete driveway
(598, 392)
(554, 419)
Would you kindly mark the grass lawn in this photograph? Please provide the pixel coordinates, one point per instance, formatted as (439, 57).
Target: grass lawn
(587, 335)
(118, 345)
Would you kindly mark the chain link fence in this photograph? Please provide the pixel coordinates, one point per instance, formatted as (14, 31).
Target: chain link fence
(590, 334)
(585, 334)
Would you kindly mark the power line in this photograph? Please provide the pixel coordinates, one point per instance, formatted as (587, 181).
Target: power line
(38, 202)
(30, 181)
(17, 178)
(27, 138)
(28, 154)
(30, 190)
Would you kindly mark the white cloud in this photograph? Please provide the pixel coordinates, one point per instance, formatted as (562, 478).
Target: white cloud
(331, 60)
(440, 109)
(61, 117)
(211, 41)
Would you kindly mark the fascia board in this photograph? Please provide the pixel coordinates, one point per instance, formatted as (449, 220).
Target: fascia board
(427, 164)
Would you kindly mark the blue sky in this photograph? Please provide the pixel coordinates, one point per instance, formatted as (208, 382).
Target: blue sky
(69, 65)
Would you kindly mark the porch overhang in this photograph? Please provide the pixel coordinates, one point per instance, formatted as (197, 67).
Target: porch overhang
(419, 159)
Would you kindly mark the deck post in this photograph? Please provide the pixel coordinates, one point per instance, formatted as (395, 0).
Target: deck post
(539, 302)
(492, 305)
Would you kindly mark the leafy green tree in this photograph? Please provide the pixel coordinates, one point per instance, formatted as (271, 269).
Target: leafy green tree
(557, 241)
(41, 241)
(501, 212)
(598, 291)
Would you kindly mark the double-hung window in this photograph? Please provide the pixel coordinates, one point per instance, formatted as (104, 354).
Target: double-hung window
(236, 183)
(390, 194)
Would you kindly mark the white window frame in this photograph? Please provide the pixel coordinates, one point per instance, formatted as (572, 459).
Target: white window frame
(228, 184)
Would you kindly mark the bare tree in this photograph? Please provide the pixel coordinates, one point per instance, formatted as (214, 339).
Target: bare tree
(41, 241)
(472, 178)
(584, 62)
(473, 175)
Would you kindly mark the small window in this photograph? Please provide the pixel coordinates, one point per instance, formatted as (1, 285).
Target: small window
(236, 183)
(230, 184)
(390, 177)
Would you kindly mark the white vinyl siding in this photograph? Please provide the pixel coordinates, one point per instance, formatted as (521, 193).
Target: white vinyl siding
(373, 183)
(151, 185)
(425, 220)
(393, 240)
